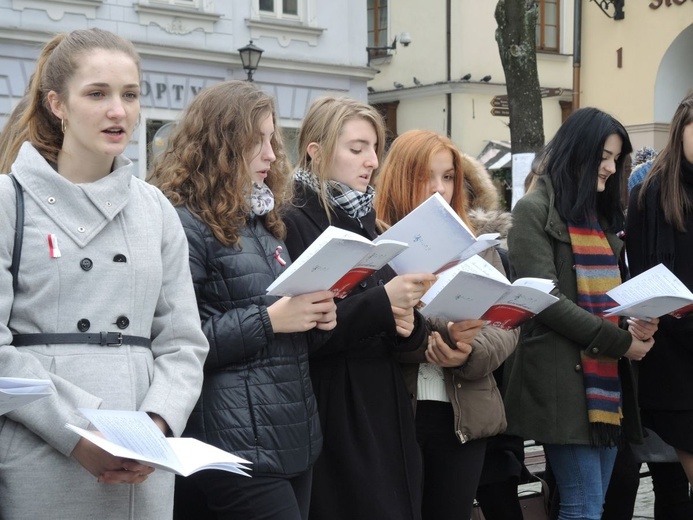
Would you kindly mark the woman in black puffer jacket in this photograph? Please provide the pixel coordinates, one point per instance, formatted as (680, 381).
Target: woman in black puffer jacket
(226, 173)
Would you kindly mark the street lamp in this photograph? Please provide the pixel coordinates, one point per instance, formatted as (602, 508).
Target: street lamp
(250, 57)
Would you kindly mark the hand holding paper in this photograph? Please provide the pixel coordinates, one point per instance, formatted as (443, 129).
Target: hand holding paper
(652, 294)
(475, 289)
(133, 435)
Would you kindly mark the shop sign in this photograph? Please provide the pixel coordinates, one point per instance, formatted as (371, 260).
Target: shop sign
(656, 4)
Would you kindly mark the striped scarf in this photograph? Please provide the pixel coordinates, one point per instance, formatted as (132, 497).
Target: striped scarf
(597, 271)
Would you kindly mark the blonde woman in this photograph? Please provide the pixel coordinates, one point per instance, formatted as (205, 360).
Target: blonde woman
(370, 466)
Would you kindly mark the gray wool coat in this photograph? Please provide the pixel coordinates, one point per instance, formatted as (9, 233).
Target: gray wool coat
(123, 268)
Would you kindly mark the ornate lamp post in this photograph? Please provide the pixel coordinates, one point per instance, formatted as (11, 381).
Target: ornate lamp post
(250, 57)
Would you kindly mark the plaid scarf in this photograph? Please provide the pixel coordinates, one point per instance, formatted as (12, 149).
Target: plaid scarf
(354, 203)
(597, 271)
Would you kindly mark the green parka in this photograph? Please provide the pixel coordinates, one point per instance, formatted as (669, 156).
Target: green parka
(545, 393)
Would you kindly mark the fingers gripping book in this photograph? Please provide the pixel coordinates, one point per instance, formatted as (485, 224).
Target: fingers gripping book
(431, 239)
(133, 435)
(475, 289)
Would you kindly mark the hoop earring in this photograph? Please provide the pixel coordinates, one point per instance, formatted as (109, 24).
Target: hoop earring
(63, 125)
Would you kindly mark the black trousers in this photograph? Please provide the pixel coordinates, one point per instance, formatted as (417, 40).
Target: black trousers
(451, 469)
(221, 495)
(671, 491)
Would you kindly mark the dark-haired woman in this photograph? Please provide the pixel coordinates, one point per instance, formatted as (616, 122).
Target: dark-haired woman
(660, 213)
(565, 389)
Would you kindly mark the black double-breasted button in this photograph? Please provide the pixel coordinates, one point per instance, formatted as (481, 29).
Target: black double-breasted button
(122, 322)
(86, 264)
(120, 258)
(83, 325)
(381, 282)
(364, 284)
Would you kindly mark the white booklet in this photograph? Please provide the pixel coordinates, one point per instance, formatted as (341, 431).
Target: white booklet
(133, 435)
(438, 238)
(18, 391)
(475, 289)
(651, 294)
(337, 260)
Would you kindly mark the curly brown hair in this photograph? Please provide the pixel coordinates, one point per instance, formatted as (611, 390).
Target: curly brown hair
(206, 164)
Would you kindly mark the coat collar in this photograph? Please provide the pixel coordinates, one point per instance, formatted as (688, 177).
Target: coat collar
(80, 210)
(556, 227)
(307, 201)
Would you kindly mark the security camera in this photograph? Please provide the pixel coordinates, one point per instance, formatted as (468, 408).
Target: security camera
(405, 39)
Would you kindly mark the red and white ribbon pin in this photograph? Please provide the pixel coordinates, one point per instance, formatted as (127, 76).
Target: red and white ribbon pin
(53, 248)
(277, 255)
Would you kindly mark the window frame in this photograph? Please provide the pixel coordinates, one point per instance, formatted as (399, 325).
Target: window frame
(189, 4)
(541, 44)
(278, 12)
(378, 28)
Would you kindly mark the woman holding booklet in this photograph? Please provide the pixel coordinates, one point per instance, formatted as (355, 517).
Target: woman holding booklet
(565, 388)
(455, 396)
(103, 306)
(660, 218)
(370, 466)
(226, 173)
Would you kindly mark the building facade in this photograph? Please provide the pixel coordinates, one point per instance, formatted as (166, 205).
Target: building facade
(640, 66)
(310, 49)
(633, 61)
(460, 83)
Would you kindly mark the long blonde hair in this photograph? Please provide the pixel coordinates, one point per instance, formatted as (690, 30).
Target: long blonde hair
(206, 164)
(323, 125)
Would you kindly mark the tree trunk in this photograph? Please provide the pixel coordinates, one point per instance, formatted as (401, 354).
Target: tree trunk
(516, 37)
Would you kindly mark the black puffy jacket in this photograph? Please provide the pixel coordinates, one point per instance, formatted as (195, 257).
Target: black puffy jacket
(257, 399)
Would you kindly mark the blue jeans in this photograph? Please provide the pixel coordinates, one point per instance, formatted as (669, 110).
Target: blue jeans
(582, 476)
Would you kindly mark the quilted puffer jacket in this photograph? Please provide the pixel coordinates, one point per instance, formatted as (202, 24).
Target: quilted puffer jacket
(257, 400)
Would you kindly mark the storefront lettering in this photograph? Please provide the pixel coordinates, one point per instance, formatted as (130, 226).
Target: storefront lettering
(656, 4)
(161, 88)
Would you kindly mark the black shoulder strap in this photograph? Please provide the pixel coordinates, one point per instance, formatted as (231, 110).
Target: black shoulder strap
(18, 233)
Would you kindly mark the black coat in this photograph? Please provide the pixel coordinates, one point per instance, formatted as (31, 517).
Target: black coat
(370, 466)
(257, 400)
(665, 381)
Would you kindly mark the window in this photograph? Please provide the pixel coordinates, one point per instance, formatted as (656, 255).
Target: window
(287, 9)
(548, 26)
(177, 3)
(178, 16)
(56, 10)
(377, 23)
(285, 20)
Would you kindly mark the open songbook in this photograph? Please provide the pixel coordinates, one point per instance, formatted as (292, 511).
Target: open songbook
(337, 260)
(18, 391)
(651, 294)
(475, 289)
(438, 238)
(133, 435)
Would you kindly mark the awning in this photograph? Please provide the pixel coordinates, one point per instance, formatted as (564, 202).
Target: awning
(496, 155)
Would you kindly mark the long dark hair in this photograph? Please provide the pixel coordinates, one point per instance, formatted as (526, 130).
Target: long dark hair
(572, 159)
(666, 169)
